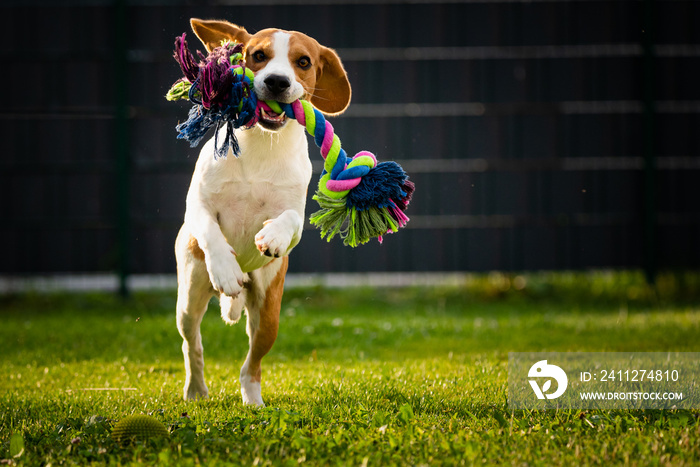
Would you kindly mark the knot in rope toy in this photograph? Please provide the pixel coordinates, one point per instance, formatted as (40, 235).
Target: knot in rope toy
(360, 199)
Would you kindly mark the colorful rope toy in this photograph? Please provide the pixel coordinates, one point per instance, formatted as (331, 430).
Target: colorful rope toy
(359, 198)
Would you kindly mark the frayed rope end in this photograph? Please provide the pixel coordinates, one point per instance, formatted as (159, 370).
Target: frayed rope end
(372, 209)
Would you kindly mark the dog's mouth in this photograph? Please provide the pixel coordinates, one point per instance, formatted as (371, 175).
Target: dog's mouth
(270, 120)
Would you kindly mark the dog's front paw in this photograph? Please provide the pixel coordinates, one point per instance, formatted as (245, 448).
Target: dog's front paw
(274, 239)
(224, 273)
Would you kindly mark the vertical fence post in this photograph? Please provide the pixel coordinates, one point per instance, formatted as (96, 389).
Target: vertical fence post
(121, 145)
(649, 127)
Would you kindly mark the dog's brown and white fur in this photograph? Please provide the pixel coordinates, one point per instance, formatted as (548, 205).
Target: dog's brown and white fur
(244, 215)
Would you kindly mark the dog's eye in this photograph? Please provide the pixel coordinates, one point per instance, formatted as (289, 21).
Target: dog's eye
(304, 63)
(259, 56)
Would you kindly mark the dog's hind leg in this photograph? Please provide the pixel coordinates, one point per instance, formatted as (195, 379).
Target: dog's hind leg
(232, 307)
(264, 299)
(193, 294)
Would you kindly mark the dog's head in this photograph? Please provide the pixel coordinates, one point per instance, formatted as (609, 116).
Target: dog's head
(288, 65)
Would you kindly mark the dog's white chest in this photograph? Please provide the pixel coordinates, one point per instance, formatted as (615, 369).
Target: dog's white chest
(270, 176)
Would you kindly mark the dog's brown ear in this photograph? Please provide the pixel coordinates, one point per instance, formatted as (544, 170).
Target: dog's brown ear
(332, 92)
(212, 32)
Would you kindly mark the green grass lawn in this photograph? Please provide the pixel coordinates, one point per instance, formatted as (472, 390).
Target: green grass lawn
(411, 376)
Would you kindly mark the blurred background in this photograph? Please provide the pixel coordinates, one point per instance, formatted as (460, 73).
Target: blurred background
(541, 135)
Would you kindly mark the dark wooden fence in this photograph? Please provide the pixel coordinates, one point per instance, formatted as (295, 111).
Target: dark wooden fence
(540, 134)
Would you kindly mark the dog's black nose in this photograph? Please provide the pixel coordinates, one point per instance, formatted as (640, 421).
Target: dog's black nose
(277, 84)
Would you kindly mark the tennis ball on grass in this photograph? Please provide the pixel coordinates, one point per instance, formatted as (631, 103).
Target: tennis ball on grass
(138, 428)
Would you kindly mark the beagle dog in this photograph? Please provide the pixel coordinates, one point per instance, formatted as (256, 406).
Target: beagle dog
(245, 214)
